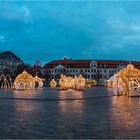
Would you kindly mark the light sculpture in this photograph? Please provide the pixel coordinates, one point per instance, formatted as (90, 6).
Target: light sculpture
(25, 81)
(6, 81)
(110, 81)
(39, 81)
(81, 82)
(53, 83)
(127, 81)
(90, 83)
(72, 83)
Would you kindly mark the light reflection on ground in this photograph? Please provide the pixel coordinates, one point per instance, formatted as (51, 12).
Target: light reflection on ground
(105, 117)
(52, 93)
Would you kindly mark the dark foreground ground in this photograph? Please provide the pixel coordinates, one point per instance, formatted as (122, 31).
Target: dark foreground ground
(98, 117)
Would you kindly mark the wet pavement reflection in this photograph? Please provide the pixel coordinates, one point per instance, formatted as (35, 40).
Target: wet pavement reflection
(104, 117)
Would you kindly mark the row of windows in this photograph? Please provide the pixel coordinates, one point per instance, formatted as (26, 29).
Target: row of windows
(76, 70)
(86, 76)
(9, 63)
(101, 65)
(112, 71)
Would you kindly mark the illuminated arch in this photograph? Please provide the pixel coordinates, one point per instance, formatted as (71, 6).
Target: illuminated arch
(130, 77)
(9, 81)
(24, 81)
(39, 81)
(5, 81)
(121, 85)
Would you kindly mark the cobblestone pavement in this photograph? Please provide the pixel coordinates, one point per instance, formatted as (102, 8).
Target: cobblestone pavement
(104, 117)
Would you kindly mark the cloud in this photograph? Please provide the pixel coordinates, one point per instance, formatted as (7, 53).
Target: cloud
(15, 13)
(2, 39)
(89, 29)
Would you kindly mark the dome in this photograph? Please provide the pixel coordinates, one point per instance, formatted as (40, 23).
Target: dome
(129, 71)
(24, 75)
(126, 80)
(24, 81)
(130, 67)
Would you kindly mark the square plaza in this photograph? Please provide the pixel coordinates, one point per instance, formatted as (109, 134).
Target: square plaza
(94, 113)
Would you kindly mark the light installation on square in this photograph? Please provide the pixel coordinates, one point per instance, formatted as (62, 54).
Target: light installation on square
(26, 81)
(127, 81)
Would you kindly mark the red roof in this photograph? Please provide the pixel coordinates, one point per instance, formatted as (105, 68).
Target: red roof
(69, 63)
(116, 63)
(86, 63)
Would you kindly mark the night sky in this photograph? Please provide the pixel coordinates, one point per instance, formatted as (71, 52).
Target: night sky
(79, 29)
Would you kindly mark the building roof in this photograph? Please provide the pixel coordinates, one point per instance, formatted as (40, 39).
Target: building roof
(116, 63)
(69, 63)
(5, 54)
(86, 63)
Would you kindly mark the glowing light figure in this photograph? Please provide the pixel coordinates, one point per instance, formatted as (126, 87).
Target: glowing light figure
(72, 83)
(53, 83)
(39, 81)
(90, 83)
(81, 82)
(127, 81)
(110, 81)
(24, 81)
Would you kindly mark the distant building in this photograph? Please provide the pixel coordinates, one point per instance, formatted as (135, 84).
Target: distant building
(99, 70)
(9, 62)
(37, 68)
(37, 63)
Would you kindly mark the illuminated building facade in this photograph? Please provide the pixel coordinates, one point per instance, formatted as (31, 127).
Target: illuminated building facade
(99, 70)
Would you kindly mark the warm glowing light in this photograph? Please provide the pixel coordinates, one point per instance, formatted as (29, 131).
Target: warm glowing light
(127, 81)
(72, 83)
(5, 81)
(39, 81)
(110, 81)
(26, 81)
(90, 83)
(53, 83)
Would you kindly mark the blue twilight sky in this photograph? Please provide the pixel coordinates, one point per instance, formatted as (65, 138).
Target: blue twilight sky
(49, 30)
